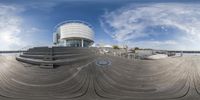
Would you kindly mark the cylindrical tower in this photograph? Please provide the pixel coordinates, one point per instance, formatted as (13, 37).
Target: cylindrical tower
(73, 34)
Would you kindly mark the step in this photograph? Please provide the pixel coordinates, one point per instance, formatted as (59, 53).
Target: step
(47, 66)
(54, 57)
(55, 62)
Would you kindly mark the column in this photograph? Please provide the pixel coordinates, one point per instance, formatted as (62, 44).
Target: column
(82, 42)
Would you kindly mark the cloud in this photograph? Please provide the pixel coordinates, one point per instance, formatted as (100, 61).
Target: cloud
(9, 27)
(159, 26)
(14, 34)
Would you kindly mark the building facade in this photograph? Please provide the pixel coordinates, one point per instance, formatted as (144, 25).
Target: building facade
(73, 34)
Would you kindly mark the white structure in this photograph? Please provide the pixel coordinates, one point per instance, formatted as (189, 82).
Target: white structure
(73, 34)
(144, 52)
(157, 56)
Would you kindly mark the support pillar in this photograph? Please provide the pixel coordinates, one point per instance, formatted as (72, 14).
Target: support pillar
(82, 43)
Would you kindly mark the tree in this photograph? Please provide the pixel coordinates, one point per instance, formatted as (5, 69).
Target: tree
(115, 47)
(136, 48)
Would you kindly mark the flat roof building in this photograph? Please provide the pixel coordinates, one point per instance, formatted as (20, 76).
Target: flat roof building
(73, 33)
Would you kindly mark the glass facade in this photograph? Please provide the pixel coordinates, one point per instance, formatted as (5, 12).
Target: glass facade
(86, 43)
(75, 43)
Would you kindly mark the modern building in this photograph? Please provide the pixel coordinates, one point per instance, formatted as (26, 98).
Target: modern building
(73, 33)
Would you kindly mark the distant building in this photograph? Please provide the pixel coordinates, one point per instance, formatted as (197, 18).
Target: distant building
(143, 53)
(108, 46)
(73, 34)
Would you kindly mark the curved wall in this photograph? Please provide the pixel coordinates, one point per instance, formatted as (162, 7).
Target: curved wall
(73, 34)
(75, 30)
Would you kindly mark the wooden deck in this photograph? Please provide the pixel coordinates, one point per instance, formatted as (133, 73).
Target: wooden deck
(171, 78)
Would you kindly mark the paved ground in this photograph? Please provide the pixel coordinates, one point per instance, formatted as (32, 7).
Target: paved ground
(170, 78)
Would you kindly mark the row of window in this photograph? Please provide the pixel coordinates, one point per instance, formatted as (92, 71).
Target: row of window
(75, 43)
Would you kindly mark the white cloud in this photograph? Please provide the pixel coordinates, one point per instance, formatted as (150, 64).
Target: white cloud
(14, 33)
(177, 25)
(9, 27)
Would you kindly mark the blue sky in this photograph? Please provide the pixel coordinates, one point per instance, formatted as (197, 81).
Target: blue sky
(157, 24)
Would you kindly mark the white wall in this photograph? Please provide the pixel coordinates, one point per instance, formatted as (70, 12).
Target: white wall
(81, 30)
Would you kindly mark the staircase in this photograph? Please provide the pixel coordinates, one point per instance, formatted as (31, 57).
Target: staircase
(51, 57)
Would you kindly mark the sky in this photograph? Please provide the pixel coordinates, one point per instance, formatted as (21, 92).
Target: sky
(156, 24)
